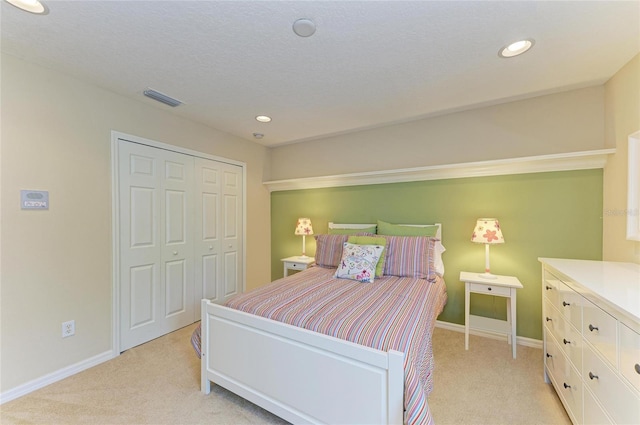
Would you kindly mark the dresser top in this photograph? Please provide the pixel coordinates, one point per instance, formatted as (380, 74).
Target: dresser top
(615, 282)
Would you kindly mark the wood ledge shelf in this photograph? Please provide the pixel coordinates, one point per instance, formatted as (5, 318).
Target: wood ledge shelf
(584, 160)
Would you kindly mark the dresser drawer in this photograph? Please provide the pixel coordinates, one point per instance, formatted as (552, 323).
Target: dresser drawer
(617, 399)
(594, 413)
(630, 355)
(566, 300)
(565, 379)
(568, 338)
(599, 329)
(489, 290)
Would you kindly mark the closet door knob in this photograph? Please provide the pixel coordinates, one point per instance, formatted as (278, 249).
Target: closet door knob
(175, 252)
(210, 247)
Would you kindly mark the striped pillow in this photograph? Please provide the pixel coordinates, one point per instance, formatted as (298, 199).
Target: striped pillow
(329, 249)
(410, 256)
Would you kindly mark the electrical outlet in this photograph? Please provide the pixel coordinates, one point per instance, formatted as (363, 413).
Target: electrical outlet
(68, 328)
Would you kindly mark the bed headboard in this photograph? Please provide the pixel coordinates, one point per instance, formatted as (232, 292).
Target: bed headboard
(333, 225)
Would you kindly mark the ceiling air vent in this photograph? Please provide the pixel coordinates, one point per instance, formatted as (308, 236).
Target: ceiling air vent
(160, 97)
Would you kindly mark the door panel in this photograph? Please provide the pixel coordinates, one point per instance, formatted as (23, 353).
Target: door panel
(156, 250)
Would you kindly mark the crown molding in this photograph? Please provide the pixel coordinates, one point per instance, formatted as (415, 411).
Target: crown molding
(584, 160)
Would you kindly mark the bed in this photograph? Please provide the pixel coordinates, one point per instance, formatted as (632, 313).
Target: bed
(315, 348)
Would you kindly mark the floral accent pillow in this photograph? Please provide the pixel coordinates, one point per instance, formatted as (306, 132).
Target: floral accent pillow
(359, 262)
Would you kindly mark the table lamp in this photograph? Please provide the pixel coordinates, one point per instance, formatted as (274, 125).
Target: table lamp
(303, 227)
(487, 231)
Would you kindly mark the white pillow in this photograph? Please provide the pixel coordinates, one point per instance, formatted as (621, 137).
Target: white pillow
(358, 262)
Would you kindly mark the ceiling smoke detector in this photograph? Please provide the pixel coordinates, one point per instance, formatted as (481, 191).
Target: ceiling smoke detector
(304, 27)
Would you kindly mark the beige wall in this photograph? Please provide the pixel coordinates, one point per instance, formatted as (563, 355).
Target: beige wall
(565, 122)
(622, 105)
(56, 264)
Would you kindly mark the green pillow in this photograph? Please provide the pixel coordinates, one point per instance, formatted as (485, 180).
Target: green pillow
(389, 229)
(371, 229)
(372, 240)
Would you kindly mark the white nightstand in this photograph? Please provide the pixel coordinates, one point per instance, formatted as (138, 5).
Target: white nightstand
(296, 263)
(501, 286)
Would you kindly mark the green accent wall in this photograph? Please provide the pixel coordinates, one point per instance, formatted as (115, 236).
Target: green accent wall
(553, 214)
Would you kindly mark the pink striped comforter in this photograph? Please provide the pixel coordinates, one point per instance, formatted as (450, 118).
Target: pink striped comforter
(391, 313)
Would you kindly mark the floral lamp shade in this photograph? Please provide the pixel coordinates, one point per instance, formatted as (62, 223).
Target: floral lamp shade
(488, 232)
(303, 228)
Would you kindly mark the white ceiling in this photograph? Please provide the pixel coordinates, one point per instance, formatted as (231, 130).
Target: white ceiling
(370, 63)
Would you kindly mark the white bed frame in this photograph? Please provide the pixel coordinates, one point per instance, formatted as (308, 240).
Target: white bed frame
(300, 375)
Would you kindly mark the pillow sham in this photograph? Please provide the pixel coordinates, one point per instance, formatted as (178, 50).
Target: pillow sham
(371, 229)
(410, 256)
(358, 262)
(372, 240)
(329, 250)
(385, 228)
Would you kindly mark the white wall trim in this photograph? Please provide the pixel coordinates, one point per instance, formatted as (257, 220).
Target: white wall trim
(533, 164)
(56, 376)
(520, 340)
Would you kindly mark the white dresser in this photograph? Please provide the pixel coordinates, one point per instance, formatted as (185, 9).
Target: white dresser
(591, 322)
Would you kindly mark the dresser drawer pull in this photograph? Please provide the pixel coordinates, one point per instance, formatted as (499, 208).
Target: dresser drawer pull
(637, 368)
(566, 304)
(550, 356)
(548, 288)
(565, 385)
(565, 341)
(549, 319)
(593, 328)
(592, 376)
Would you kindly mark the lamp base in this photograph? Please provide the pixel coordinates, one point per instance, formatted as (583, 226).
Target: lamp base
(303, 256)
(487, 275)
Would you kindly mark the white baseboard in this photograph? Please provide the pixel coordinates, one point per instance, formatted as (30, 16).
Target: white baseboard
(520, 340)
(56, 376)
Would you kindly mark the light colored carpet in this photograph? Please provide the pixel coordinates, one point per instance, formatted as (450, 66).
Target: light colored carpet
(481, 386)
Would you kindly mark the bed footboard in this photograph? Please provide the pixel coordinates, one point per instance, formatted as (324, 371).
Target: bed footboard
(299, 375)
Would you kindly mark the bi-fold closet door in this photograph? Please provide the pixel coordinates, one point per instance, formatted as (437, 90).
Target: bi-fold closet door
(180, 235)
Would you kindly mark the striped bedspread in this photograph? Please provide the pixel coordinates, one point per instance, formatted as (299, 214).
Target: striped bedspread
(391, 313)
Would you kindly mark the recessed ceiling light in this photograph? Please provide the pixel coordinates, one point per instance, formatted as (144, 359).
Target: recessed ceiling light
(33, 6)
(517, 48)
(263, 118)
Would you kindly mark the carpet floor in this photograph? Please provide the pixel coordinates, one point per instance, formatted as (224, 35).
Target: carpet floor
(159, 383)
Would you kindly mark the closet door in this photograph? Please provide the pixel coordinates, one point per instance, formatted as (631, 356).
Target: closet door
(219, 230)
(156, 198)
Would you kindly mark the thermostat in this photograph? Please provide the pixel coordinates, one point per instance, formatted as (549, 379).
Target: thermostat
(34, 200)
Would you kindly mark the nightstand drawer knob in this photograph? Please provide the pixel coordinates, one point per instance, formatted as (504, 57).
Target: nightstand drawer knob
(489, 288)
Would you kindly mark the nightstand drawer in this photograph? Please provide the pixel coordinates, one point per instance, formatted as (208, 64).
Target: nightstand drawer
(480, 288)
(296, 266)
